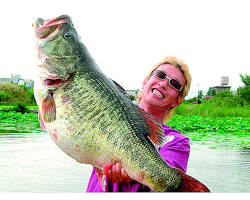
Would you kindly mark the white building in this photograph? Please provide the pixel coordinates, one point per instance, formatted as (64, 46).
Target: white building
(16, 78)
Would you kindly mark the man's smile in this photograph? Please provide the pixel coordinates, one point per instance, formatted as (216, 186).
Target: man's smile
(158, 93)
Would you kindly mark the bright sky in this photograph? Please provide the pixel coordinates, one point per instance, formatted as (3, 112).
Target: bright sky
(127, 37)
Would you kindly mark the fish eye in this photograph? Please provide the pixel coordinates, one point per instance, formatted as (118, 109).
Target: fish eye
(68, 34)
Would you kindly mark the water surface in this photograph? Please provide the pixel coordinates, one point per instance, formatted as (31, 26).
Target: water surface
(31, 162)
(222, 170)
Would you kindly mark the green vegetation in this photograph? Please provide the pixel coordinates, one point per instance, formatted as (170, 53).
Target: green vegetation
(221, 121)
(223, 104)
(11, 93)
(16, 122)
(19, 107)
(244, 92)
(221, 131)
(211, 109)
(225, 97)
(18, 110)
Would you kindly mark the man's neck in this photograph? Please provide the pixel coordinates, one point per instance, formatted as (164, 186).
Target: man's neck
(157, 113)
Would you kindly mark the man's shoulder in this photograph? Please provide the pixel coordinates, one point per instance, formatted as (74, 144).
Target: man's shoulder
(173, 136)
(168, 130)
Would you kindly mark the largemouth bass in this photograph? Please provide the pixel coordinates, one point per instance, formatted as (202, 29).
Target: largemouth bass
(89, 117)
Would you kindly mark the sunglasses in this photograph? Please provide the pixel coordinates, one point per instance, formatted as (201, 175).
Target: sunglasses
(175, 83)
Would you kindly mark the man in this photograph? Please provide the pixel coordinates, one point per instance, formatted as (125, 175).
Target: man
(164, 88)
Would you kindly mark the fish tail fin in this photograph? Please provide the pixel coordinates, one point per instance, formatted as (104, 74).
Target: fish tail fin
(190, 184)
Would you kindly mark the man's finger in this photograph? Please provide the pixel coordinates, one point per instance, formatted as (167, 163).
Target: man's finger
(108, 174)
(106, 168)
(118, 173)
(113, 174)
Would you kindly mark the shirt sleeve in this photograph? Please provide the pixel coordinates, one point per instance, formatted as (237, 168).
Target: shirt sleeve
(176, 152)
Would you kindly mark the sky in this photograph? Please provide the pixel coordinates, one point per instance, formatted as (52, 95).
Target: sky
(127, 37)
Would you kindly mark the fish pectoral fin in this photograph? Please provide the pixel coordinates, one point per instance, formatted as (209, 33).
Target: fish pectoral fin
(41, 121)
(103, 182)
(48, 108)
(101, 178)
(156, 132)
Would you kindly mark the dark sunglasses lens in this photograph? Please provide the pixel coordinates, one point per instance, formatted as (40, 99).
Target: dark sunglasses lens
(161, 75)
(176, 84)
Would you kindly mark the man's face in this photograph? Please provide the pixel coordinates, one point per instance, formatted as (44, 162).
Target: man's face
(158, 92)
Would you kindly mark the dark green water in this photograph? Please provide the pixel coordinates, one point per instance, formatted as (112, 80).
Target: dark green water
(31, 162)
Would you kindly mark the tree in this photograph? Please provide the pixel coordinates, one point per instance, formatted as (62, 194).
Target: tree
(131, 97)
(245, 79)
(225, 93)
(243, 92)
(200, 96)
(211, 92)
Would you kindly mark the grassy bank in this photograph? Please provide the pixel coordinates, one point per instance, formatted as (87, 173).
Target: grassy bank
(226, 132)
(217, 131)
(13, 107)
(16, 122)
(11, 93)
(221, 121)
(212, 110)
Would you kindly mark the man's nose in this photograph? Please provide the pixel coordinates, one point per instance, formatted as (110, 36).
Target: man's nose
(163, 84)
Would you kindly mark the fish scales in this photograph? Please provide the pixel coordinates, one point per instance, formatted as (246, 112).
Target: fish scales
(117, 143)
(113, 100)
(87, 114)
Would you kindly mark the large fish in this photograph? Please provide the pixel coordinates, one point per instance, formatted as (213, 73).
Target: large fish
(90, 118)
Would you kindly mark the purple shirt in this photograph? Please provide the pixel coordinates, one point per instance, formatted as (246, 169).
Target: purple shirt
(175, 150)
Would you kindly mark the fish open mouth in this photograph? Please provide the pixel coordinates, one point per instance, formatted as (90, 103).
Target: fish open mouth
(49, 28)
(52, 82)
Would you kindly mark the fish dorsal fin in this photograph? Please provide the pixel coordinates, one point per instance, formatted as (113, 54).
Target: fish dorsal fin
(41, 121)
(156, 132)
(121, 88)
(48, 108)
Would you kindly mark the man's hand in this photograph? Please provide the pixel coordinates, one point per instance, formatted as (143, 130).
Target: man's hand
(115, 173)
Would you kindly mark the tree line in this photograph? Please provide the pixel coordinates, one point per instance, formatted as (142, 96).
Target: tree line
(240, 97)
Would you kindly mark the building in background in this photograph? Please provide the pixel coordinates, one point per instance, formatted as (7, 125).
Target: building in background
(16, 79)
(224, 85)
